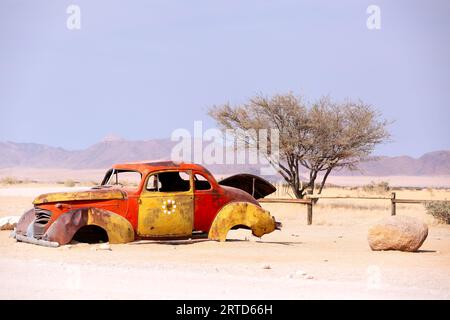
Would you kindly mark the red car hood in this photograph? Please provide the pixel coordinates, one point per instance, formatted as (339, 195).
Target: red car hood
(236, 194)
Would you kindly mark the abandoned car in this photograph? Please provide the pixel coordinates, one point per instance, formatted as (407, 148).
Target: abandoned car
(166, 200)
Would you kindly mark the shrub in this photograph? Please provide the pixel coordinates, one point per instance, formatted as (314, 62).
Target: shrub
(380, 187)
(440, 210)
(10, 180)
(69, 183)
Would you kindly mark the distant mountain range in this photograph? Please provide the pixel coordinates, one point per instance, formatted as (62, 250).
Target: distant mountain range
(431, 163)
(110, 151)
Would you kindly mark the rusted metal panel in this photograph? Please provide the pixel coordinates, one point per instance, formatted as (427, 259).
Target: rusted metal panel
(119, 230)
(206, 205)
(168, 215)
(40, 223)
(65, 227)
(167, 211)
(38, 242)
(256, 186)
(241, 214)
(24, 221)
(80, 196)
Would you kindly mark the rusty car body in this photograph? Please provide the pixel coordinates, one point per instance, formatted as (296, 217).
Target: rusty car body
(169, 201)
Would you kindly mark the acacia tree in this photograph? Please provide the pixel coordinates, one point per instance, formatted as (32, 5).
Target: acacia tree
(316, 138)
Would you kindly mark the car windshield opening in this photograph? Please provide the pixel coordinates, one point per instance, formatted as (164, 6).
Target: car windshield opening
(123, 178)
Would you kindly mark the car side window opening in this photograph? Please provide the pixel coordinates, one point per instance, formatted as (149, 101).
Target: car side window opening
(172, 181)
(153, 184)
(201, 183)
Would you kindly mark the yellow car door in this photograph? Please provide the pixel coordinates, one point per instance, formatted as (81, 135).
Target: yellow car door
(166, 205)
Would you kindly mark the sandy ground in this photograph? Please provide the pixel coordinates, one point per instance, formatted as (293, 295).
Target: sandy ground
(330, 259)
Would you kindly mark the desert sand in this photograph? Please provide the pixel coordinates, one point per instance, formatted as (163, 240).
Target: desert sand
(330, 259)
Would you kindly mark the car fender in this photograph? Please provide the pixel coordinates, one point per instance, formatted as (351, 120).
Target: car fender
(118, 228)
(241, 214)
(25, 221)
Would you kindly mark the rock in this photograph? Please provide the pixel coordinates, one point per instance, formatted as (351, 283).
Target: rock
(104, 246)
(9, 223)
(300, 273)
(397, 233)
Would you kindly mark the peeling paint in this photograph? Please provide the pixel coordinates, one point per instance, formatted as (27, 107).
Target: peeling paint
(80, 196)
(241, 214)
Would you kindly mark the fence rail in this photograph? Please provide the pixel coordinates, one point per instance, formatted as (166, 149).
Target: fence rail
(282, 200)
(348, 197)
(310, 200)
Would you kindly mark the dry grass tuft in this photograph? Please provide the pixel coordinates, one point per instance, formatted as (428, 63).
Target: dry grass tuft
(439, 210)
(10, 181)
(69, 183)
(377, 187)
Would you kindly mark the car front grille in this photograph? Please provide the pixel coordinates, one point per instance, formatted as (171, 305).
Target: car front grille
(42, 218)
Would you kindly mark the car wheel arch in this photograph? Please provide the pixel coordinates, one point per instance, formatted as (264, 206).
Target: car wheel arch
(245, 214)
(64, 228)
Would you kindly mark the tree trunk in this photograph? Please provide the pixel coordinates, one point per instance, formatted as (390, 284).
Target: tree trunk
(324, 179)
(298, 193)
(296, 187)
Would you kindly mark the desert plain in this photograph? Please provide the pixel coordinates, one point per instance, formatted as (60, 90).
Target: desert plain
(330, 259)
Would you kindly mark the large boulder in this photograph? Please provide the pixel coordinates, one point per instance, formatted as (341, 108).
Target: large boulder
(8, 223)
(398, 233)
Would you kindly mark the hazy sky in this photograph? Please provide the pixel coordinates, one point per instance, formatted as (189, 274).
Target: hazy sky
(141, 69)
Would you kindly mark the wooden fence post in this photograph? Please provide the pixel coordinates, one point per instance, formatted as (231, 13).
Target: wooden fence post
(309, 205)
(310, 212)
(393, 204)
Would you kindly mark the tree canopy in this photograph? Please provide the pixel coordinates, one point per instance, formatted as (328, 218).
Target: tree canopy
(314, 138)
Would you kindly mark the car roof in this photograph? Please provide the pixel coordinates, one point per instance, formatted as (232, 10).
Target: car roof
(148, 166)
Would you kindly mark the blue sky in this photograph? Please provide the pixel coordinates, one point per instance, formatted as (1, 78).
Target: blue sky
(141, 69)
